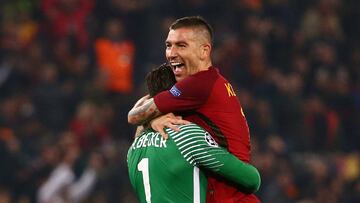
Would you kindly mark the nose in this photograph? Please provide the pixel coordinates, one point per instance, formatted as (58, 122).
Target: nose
(171, 52)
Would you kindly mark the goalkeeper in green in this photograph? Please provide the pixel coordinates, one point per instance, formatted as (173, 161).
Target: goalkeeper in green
(173, 170)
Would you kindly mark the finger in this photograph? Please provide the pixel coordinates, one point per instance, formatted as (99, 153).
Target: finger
(174, 127)
(171, 115)
(185, 122)
(179, 121)
(163, 134)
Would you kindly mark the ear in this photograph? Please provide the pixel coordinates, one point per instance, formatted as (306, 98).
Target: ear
(205, 51)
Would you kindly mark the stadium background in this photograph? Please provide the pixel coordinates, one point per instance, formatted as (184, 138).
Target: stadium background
(295, 64)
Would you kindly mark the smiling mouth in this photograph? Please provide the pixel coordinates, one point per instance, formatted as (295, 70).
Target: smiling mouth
(176, 65)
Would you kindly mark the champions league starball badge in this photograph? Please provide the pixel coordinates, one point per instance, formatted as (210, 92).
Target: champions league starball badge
(210, 140)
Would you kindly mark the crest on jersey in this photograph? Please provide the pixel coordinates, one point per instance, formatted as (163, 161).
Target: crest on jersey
(175, 91)
(210, 140)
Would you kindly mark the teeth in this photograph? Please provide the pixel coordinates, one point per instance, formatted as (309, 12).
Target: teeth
(175, 64)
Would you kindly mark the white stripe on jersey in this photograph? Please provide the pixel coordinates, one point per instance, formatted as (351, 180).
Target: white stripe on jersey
(193, 145)
(190, 143)
(189, 137)
(181, 133)
(196, 182)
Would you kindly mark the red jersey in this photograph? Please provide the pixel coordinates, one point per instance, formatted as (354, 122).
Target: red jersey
(209, 100)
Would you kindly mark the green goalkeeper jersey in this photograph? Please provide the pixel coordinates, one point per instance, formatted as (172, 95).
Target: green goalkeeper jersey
(164, 171)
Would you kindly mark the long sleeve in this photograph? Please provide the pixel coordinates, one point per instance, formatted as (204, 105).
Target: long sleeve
(200, 149)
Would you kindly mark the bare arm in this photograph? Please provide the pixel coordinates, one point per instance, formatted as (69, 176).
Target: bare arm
(143, 111)
(142, 100)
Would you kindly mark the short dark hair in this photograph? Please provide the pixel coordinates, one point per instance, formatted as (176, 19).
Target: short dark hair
(193, 21)
(160, 79)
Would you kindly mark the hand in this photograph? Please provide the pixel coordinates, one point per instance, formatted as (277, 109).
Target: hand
(168, 120)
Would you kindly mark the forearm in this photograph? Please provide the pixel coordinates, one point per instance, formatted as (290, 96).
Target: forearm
(143, 112)
(142, 100)
(244, 175)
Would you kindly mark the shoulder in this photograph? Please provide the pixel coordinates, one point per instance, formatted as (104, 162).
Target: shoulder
(199, 83)
(206, 76)
(195, 144)
(191, 133)
(187, 128)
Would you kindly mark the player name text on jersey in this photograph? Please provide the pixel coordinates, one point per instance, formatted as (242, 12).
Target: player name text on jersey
(149, 139)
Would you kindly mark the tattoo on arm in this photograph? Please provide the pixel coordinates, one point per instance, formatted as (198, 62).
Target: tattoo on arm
(142, 100)
(143, 113)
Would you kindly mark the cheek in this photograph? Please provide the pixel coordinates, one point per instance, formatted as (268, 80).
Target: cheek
(189, 59)
(167, 53)
(192, 62)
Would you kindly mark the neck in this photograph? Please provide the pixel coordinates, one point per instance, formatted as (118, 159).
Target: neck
(205, 66)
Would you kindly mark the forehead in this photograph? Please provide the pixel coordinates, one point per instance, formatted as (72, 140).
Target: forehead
(181, 34)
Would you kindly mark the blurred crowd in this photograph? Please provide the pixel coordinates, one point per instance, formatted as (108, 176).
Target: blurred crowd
(71, 69)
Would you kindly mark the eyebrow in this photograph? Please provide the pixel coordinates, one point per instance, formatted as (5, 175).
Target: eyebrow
(176, 43)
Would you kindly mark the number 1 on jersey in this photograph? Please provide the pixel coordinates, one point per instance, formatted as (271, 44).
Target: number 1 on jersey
(143, 166)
